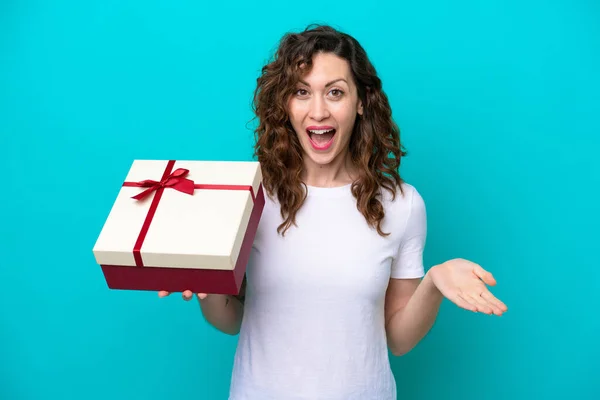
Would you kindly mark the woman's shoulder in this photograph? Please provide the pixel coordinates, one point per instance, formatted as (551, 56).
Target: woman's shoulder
(405, 200)
(404, 211)
(403, 195)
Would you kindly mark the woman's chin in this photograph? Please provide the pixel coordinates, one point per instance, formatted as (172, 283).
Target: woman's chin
(321, 158)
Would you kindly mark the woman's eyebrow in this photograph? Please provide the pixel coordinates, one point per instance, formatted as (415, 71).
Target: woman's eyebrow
(327, 84)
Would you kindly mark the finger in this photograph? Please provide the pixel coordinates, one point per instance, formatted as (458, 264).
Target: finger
(491, 299)
(495, 309)
(187, 295)
(481, 304)
(484, 275)
(469, 304)
(163, 293)
(202, 296)
(461, 302)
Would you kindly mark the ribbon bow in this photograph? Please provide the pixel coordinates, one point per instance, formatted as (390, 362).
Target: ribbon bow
(176, 180)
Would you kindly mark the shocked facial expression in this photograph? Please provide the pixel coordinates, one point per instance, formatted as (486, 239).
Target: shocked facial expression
(324, 107)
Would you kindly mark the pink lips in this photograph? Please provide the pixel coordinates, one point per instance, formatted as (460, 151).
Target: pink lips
(320, 146)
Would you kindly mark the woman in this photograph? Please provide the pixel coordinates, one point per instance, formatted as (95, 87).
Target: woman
(336, 275)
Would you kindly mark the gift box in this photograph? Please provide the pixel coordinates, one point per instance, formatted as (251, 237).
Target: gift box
(182, 225)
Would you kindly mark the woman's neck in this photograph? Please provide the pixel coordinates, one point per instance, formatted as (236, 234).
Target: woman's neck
(339, 172)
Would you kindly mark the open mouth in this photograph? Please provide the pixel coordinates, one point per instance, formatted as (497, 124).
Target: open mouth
(321, 137)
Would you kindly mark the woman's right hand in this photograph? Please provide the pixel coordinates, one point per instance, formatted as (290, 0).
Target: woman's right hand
(187, 295)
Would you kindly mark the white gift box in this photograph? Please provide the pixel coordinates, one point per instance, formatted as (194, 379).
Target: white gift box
(182, 225)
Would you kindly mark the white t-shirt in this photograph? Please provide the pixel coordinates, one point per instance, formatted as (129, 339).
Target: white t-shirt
(313, 325)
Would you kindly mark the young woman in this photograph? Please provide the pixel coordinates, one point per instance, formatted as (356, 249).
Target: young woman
(336, 276)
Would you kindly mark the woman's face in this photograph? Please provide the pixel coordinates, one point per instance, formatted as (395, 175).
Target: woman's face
(324, 107)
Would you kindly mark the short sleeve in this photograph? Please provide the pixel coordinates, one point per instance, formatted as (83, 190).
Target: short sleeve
(408, 263)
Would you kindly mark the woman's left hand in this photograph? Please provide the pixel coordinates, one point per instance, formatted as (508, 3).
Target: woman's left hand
(464, 283)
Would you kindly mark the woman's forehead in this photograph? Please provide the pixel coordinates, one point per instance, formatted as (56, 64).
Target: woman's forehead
(326, 70)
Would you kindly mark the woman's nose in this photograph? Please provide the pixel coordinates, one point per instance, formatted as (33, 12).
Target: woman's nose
(318, 109)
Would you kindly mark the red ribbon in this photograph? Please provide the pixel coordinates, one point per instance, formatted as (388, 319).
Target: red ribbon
(170, 180)
(175, 180)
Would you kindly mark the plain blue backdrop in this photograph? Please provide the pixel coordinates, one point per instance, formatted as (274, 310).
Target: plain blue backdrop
(498, 102)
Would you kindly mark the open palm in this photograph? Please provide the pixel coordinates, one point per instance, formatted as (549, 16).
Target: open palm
(465, 284)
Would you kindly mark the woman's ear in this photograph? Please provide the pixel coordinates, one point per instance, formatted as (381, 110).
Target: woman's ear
(360, 108)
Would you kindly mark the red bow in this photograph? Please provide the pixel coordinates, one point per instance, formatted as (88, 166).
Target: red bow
(176, 180)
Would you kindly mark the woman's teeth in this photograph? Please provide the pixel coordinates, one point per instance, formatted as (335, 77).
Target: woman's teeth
(320, 131)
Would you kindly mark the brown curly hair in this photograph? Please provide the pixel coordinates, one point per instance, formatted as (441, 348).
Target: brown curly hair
(375, 146)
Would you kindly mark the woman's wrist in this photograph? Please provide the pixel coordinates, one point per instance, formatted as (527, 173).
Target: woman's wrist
(429, 283)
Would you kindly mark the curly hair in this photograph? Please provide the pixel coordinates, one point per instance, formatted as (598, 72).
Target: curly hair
(375, 147)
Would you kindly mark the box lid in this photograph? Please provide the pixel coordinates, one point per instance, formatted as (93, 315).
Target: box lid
(203, 229)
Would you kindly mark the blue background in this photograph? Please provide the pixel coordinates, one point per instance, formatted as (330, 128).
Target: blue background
(498, 102)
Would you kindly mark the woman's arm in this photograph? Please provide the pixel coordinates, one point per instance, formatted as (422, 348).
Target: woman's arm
(224, 312)
(412, 305)
(411, 308)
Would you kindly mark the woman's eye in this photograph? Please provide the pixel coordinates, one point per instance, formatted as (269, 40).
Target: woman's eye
(336, 92)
